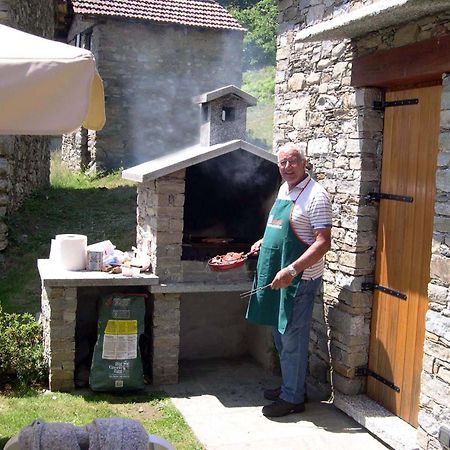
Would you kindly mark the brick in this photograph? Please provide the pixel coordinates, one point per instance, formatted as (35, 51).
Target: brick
(440, 268)
(165, 378)
(296, 82)
(164, 341)
(346, 323)
(348, 386)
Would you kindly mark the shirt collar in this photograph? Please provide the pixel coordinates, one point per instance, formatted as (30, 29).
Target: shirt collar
(300, 185)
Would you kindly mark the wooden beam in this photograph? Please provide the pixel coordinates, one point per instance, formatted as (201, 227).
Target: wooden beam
(413, 63)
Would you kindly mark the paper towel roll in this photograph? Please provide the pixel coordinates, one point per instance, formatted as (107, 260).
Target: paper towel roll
(69, 250)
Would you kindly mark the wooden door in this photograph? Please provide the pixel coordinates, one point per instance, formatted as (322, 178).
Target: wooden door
(404, 249)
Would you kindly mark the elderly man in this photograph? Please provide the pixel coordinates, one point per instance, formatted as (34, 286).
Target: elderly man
(297, 236)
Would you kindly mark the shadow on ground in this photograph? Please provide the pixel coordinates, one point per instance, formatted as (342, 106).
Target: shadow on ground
(219, 389)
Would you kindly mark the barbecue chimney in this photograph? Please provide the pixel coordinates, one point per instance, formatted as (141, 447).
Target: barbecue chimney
(223, 115)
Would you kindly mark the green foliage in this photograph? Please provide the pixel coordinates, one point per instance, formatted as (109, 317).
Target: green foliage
(260, 19)
(238, 3)
(21, 350)
(261, 84)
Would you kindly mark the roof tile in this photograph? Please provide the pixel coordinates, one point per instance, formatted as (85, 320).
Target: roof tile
(196, 13)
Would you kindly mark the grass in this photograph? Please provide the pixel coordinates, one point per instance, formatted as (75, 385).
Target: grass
(101, 207)
(153, 410)
(261, 84)
(260, 125)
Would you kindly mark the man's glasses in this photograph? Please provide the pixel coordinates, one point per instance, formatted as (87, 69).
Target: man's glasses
(291, 161)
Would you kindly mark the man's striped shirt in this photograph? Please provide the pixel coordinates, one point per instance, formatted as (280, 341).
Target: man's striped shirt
(312, 211)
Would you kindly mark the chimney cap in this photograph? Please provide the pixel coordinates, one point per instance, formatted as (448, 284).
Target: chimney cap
(224, 91)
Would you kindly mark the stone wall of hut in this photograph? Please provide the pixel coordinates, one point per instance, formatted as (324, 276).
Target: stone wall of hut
(435, 385)
(317, 107)
(342, 136)
(24, 160)
(151, 73)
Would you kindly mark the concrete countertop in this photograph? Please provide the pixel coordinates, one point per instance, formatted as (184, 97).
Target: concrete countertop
(54, 276)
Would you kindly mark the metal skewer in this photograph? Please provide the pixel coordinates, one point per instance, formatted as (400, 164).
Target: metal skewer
(252, 291)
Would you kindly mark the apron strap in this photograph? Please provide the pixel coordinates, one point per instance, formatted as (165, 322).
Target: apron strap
(301, 190)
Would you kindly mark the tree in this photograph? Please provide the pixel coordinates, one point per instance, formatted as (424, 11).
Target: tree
(260, 19)
(238, 3)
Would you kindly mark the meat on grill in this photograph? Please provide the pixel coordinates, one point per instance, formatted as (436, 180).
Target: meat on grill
(228, 258)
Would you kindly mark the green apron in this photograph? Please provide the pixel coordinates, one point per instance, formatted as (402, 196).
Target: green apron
(280, 247)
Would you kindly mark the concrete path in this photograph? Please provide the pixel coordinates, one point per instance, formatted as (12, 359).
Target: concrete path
(222, 400)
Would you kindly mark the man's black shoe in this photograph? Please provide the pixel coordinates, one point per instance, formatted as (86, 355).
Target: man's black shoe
(282, 408)
(272, 394)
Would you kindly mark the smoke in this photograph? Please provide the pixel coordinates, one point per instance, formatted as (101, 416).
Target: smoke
(150, 85)
(241, 169)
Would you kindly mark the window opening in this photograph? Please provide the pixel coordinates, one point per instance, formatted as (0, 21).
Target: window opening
(228, 114)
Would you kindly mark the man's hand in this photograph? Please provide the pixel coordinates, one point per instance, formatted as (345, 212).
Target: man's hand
(313, 254)
(282, 279)
(256, 246)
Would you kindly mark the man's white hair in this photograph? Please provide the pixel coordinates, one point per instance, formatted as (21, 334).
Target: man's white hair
(295, 147)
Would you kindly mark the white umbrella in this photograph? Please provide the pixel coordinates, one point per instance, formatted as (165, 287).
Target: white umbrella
(47, 87)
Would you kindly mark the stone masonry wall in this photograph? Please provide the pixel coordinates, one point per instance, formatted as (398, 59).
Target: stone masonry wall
(435, 394)
(165, 338)
(78, 149)
(341, 134)
(151, 74)
(24, 160)
(413, 31)
(160, 224)
(58, 306)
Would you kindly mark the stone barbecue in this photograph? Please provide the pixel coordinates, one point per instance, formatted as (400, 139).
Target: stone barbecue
(192, 204)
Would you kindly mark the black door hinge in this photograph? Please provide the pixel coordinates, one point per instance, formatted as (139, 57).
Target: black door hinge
(377, 196)
(386, 290)
(380, 106)
(365, 372)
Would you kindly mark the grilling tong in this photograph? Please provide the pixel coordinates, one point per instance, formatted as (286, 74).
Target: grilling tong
(252, 291)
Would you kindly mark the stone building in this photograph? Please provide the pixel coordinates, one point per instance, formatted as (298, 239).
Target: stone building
(24, 160)
(154, 57)
(364, 87)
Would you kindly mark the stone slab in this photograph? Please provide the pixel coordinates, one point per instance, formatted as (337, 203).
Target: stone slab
(369, 18)
(379, 421)
(190, 156)
(53, 276)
